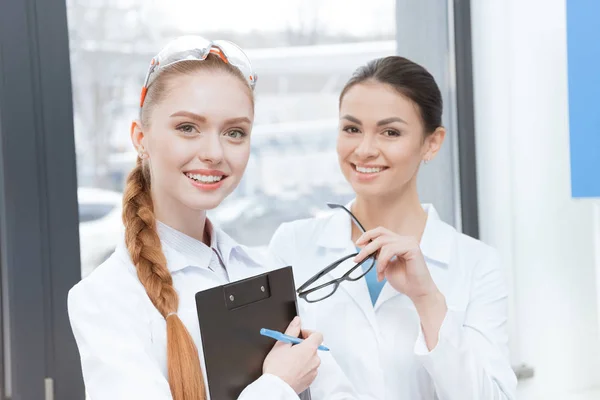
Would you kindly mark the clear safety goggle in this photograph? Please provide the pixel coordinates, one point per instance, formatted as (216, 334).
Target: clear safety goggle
(198, 48)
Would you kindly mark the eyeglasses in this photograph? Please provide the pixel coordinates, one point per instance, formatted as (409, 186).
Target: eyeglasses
(320, 287)
(198, 48)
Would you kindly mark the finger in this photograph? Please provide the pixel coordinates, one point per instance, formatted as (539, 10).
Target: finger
(371, 248)
(312, 375)
(314, 340)
(383, 261)
(368, 249)
(305, 333)
(293, 329)
(315, 363)
(370, 235)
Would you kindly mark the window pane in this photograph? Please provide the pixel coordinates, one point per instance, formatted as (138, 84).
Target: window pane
(302, 61)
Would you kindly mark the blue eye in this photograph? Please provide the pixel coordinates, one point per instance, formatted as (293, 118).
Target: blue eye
(187, 129)
(236, 134)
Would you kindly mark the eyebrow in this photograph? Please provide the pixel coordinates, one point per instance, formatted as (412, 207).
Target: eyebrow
(390, 120)
(238, 120)
(380, 123)
(188, 114)
(201, 118)
(352, 119)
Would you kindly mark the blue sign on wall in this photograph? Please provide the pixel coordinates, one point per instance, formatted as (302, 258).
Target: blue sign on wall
(583, 43)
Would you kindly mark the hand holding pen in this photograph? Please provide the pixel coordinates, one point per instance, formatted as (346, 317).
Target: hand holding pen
(282, 337)
(296, 365)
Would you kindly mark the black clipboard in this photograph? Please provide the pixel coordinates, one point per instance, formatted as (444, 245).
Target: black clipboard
(231, 317)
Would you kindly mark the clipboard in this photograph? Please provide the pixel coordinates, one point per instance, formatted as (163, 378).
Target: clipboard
(230, 318)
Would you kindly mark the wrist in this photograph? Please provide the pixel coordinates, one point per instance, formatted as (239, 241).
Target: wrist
(430, 303)
(432, 311)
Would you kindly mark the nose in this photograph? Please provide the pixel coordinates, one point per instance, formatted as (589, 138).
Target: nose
(367, 147)
(211, 149)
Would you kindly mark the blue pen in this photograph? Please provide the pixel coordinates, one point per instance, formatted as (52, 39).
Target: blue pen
(282, 337)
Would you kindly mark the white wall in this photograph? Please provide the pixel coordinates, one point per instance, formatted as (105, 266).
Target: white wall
(547, 239)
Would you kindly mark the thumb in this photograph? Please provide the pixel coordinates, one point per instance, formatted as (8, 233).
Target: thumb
(293, 328)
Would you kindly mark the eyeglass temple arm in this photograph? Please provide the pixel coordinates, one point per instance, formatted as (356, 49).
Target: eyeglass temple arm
(324, 271)
(354, 219)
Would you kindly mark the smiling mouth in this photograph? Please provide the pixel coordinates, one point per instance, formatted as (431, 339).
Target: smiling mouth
(368, 170)
(206, 179)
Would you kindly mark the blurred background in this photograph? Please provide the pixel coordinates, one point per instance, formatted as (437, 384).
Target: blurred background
(302, 59)
(515, 171)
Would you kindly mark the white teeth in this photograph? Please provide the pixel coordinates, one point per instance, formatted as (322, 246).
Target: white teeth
(205, 178)
(368, 170)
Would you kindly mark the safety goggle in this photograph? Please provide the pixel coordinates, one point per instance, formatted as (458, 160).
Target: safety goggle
(198, 48)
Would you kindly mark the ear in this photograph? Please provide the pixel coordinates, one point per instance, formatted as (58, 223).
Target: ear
(138, 138)
(433, 143)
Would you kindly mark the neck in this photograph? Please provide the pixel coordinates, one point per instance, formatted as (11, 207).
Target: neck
(401, 213)
(190, 222)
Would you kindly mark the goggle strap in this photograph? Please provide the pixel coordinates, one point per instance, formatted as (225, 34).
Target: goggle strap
(143, 95)
(218, 52)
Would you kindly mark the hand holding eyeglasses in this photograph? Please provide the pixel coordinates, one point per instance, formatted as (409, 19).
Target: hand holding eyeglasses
(400, 261)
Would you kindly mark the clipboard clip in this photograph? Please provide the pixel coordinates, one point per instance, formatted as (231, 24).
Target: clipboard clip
(248, 291)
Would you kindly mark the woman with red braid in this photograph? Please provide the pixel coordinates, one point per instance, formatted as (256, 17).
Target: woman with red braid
(134, 318)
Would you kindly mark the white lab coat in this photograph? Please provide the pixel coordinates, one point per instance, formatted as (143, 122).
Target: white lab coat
(381, 348)
(122, 337)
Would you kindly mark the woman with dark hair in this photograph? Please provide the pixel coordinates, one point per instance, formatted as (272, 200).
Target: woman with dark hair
(410, 308)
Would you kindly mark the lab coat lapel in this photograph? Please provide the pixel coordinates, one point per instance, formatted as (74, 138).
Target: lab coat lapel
(337, 243)
(436, 245)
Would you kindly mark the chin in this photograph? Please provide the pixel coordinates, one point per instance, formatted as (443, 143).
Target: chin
(205, 200)
(205, 204)
(370, 189)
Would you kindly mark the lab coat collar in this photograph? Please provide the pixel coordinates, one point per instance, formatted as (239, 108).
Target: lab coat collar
(436, 243)
(337, 230)
(437, 240)
(226, 247)
(336, 237)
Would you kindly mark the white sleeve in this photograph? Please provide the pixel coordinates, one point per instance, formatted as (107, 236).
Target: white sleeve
(471, 358)
(269, 387)
(113, 340)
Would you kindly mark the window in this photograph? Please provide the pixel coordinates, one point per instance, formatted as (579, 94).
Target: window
(93, 212)
(302, 62)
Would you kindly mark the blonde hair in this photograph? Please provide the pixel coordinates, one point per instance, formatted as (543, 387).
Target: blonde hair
(143, 243)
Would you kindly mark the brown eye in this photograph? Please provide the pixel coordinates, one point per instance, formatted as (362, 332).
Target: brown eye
(391, 133)
(351, 129)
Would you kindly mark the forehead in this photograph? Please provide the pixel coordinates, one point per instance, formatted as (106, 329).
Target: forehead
(374, 101)
(208, 93)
